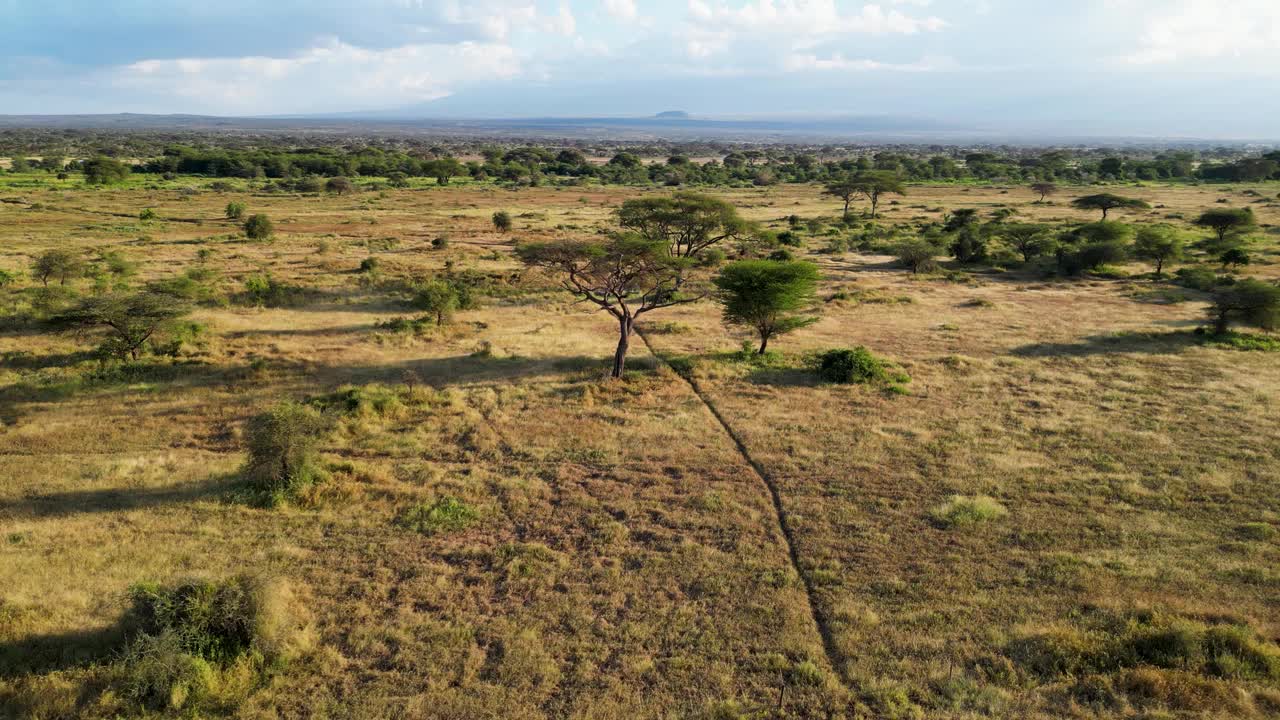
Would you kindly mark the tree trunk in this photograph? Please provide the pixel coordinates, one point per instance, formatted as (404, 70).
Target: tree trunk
(764, 343)
(625, 326)
(846, 208)
(1104, 213)
(875, 200)
(1159, 267)
(1220, 323)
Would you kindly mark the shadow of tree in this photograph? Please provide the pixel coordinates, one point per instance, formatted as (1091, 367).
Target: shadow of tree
(114, 499)
(1149, 343)
(60, 651)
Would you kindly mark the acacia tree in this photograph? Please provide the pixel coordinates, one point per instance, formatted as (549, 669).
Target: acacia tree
(1159, 244)
(1225, 221)
(1044, 189)
(1249, 302)
(685, 222)
(1031, 240)
(917, 254)
(843, 188)
(1107, 202)
(872, 185)
(130, 320)
(60, 264)
(340, 185)
(767, 295)
(625, 275)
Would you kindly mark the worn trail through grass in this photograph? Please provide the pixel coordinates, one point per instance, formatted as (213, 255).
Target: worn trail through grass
(780, 514)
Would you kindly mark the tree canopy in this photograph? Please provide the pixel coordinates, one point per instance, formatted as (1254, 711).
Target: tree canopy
(767, 295)
(1106, 202)
(1227, 221)
(626, 275)
(685, 222)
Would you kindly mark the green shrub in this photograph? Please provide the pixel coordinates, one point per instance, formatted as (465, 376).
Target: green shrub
(965, 510)
(448, 514)
(1255, 531)
(258, 227)
(147, 214)
(156, 672)
(440, 243)
(266, 291)
(849, 365)
(282, 450)
(369, 265)
(182, 635)
(366, 400)
(1197, 278)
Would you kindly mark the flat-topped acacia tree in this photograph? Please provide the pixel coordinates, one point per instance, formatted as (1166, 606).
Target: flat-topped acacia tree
(624, 275)
(686, 222)
(1106, 202)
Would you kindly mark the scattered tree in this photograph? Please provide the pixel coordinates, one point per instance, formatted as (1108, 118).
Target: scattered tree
(1159, 244)
(443, 169)
(1031, 240)
(1247, 302)
(339, 186)
(767, 295)
(235, 210)
(1234, 258)
(60, 264)
(1106, 202)
(104, 171)
(1044, 189)
(258, 227)
(1227, 221)
(843, 188)
(437, 297)
(917, 255)
(625, 276)
(130, 319)
(872, 185)
(502, 221)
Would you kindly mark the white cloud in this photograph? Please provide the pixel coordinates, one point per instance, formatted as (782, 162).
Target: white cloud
(622, 9)
(837, 61)
(1207, 30)
(330, 76)
(810, 17)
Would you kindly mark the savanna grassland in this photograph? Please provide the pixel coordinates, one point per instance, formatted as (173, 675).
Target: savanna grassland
(1069, 510)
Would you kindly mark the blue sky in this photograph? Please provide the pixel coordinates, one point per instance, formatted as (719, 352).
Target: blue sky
(1207, 68)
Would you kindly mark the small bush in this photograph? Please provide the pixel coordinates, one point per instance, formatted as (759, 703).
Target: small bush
(258, 227)
(964, 510)
(448, 514)
(369, 265)
(440, 243)
(367, 400)
(1255, 531)
(849, 365)
(282, 451)
(183, 635)
(147, 214)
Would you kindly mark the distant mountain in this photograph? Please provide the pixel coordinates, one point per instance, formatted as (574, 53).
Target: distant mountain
(672, 115)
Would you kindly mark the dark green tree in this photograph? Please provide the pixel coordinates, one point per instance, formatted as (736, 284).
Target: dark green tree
(502, 221)
(767, 295)
(1158, 244)
(1247, 302)
(104, 171)
(258, 227)
(1227, 221)
(1106, 202)
(1031, 240)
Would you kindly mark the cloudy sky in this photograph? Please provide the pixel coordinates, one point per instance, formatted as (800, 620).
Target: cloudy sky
(1206, 68)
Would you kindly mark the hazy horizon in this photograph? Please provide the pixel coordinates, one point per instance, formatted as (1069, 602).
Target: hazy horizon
(1141, 68)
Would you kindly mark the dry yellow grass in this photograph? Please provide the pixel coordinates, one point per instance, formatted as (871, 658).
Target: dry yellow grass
(627, 562)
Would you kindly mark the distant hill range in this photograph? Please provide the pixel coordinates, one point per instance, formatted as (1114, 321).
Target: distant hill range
(667, 125)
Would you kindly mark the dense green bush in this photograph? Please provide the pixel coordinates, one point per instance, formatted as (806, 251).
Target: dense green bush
(258, 227)
(182, 636)
(849, 365)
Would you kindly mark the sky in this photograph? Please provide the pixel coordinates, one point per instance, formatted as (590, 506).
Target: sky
(1190, 68)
